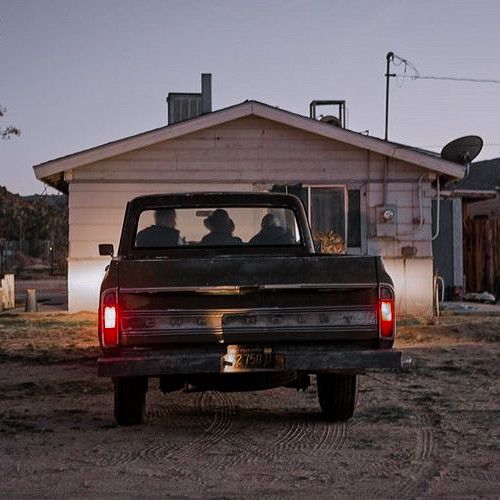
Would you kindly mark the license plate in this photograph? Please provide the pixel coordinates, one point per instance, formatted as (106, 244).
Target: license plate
(248, 358)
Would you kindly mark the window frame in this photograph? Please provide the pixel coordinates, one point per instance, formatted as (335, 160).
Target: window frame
(361, 250)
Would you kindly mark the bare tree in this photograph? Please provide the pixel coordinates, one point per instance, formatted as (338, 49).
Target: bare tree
(10, 130)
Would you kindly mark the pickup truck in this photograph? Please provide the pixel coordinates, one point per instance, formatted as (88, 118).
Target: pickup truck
(225, 291)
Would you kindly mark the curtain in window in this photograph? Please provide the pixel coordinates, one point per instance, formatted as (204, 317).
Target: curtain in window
(328, 211)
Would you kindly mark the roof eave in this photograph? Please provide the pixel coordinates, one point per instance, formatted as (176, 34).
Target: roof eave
(121, 146)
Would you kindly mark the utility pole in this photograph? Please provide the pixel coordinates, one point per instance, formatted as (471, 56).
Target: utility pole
(390, 58)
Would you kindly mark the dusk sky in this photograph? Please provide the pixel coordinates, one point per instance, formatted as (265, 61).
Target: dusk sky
(76, 74)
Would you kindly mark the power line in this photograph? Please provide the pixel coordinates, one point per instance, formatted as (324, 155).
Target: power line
(452, 78)
(438, 146)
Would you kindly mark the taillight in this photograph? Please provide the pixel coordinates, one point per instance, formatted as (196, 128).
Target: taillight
(386, 312)
(108, 320)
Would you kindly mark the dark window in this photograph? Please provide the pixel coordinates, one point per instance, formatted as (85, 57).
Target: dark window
(328, 211)
(354, 218)
(217, 226)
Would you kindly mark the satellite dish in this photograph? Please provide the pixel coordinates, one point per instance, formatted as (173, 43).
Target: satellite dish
(462, 150)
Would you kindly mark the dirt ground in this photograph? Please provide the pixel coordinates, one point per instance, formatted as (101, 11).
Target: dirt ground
(427, 432)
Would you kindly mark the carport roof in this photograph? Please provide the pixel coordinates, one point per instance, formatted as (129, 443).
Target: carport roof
(52, 172)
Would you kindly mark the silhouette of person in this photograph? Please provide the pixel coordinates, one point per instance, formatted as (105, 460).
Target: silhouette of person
(272, 233)
(162, 233)
(221, 229)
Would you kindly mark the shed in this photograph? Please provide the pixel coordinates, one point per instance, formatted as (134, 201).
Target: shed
(481, 209)
(376, 194)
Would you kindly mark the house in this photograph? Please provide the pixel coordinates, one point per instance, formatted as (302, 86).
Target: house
(481, 208)
(483, 180)
(375, 194)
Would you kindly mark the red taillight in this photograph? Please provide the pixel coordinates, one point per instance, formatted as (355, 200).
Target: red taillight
(387, 319)
(109, 319)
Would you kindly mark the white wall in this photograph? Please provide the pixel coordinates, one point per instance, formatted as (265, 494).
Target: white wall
(413, 285)
(243, 155)
(95, 216)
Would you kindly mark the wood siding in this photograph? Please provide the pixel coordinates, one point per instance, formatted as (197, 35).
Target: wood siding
(482, 255)
(245, 154)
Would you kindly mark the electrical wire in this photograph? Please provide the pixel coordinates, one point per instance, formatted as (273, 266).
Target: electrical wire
(398, 61)
(450, 78)
(438, 146)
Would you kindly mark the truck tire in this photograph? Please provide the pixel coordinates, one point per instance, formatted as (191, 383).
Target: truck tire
(337, 394)
(130, 400)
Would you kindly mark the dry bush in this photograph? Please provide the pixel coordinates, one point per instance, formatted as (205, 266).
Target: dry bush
(331, 243)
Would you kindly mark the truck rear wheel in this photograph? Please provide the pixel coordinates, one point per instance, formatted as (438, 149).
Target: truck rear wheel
(337, 394)
(130, 400)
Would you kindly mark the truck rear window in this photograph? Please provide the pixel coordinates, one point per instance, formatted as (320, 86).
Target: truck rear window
(217, 226)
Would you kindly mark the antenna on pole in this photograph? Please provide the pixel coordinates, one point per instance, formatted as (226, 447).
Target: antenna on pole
(390, 58)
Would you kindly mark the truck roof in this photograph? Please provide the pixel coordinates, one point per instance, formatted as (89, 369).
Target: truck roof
(238, 198)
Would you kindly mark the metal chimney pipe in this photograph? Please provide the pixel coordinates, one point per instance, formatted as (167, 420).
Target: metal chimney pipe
(206, 93)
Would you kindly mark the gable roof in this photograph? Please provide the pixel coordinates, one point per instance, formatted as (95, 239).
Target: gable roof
(51, 171)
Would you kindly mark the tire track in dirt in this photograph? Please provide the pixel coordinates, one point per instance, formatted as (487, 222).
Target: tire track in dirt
(421, 470)
(288, 442)
(417, 466)
(315, 437)
(161, 450)
(216, 423)
(305, 436)
(213, 434)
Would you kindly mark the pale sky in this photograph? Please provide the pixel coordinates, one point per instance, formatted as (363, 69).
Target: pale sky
(76, 74)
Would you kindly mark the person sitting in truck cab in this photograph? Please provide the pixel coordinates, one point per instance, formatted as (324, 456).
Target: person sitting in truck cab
(272, 233)
(221, 229)
(162, 233)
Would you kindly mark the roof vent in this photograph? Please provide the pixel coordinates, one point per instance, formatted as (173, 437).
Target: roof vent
(339, 107)
(185, 106)
(331, 120)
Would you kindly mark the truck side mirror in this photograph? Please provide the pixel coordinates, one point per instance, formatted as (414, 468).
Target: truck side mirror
(106, 249)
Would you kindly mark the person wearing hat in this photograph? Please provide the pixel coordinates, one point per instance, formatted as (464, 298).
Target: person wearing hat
(162, 233)
(221, 229)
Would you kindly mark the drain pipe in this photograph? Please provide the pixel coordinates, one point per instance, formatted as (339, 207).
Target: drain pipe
(437, 208)
(438, 280)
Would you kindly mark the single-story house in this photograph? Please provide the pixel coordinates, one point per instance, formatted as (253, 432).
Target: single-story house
(375, 194)
(483, 186)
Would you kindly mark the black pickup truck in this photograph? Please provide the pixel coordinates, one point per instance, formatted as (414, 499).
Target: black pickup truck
(225, 291)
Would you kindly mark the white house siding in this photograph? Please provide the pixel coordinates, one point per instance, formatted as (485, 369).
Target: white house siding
(413, 281)
(96, 213)
(247, 154)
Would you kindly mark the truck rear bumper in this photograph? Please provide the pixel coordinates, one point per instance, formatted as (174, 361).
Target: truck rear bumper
(301, 358)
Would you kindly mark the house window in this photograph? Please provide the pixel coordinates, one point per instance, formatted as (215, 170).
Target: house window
(354, 218)
(327, 216)
(334, 213)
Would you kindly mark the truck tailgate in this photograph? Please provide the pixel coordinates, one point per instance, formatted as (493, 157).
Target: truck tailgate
(248, 299)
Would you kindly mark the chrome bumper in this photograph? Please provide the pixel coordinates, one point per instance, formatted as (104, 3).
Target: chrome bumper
(210, 360)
